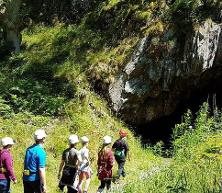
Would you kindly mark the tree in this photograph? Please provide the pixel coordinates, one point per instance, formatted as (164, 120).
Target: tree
(10, 23)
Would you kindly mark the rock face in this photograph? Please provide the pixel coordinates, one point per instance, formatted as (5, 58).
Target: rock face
(165, 70)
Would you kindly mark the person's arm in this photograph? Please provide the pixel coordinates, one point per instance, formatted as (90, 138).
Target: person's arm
(62, 164)
(9, 167)
(114, 146)
(61, 168)
(98, 163)
(42, 170)
(126, 147)
(110, 160)
(128, 155)
(42, 179)
(86, 155)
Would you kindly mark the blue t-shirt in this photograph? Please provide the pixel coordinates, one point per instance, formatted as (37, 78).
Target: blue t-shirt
(35, 158)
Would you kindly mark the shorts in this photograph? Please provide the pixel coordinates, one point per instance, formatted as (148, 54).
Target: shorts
(84, 175)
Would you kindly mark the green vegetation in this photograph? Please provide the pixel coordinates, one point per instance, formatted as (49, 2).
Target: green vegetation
(87, 117)
(196, 164)
(49, 84)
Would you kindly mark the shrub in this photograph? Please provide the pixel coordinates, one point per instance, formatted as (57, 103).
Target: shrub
(196, 165)
(35, 97)
(5, 110)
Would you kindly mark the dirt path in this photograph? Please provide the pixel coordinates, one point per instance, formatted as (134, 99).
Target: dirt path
(144, 175)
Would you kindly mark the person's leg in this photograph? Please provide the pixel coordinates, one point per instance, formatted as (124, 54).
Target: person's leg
(102, 186)
(4, 186)
(36, 186)
(87, 184)
(79, 187)
(81, 179)
(120, 169)
(61, 187)
(27, 187)
(87, 177)
(71, 190)
(108, 184)
(8, 187)
(122, 164)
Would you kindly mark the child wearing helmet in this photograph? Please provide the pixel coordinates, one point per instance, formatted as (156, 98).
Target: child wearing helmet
(6, 165)
(69, 165)
(105, 163)
(85, 170)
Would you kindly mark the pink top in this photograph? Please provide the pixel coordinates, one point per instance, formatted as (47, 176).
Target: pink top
(6, 162)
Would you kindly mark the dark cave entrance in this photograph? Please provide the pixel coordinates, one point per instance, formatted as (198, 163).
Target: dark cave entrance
(161, 129)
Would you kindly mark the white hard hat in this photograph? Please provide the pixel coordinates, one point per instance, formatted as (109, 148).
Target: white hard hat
(73, 139)
(39, 134)
(85, 139)
(107, 140)
(7, 141)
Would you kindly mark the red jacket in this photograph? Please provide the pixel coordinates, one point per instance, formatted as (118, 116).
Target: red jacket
(6, 162)
(105, 163)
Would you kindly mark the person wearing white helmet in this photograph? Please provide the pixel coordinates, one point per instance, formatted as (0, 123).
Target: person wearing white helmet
(105, 164)
(85, 170)
(69, 165)
(34, 178)
(6, 165)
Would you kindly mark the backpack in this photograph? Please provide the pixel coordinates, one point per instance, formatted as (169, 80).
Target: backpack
(119, 154)
(119, 150)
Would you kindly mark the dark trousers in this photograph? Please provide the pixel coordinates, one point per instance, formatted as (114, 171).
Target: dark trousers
(32, 186)
(70, 189)
(104, 183)
(121, 169)
(4, 186)
(68, 179)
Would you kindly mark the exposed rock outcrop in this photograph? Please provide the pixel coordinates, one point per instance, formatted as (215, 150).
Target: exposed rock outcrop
(164, 70)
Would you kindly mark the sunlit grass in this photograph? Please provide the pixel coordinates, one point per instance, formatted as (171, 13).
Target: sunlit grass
(94, 121)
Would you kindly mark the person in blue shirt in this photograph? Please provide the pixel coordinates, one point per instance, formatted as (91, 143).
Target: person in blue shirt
(34, 178)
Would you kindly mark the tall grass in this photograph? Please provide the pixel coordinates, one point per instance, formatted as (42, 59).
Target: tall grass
(92, 119)
(196, 166)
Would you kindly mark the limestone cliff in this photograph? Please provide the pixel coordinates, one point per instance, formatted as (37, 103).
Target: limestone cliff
(164, 70)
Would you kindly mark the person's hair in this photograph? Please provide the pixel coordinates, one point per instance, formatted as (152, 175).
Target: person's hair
(72, 145)
(38, 141)
(7, 146)
(84, 143)
(103, 149)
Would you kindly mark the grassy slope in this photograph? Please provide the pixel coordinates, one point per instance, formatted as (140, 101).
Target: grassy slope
(197, 163)
(59, 52)
(79, 52)
(82, 120)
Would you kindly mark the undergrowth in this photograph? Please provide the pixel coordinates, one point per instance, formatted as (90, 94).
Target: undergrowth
(83, 116)
(48, 85)
(196, 166)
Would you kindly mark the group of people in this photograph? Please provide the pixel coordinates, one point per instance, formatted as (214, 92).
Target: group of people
(74, 169)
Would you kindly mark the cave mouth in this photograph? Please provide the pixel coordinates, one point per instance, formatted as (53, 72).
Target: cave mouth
(161, 129)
